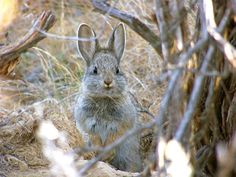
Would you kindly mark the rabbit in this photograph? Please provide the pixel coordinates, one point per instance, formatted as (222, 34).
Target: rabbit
(104, 109)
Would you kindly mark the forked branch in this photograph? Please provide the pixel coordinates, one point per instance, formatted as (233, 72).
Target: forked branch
(9, 54)
(133, 22)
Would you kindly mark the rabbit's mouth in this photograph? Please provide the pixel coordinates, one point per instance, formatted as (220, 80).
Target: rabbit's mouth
(108, 87)
(100, 90)
(107, 93)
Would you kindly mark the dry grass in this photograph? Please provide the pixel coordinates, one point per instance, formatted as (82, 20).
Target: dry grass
(52, 71)
(55, 67)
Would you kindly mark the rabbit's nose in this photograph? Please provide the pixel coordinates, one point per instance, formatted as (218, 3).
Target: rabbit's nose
(108, 83)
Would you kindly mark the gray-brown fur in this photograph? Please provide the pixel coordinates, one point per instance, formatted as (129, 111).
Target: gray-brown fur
(104, 109)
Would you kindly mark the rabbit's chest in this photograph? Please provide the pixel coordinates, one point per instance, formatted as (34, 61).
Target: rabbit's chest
(105, 125)
(105, 120)
(108, 134)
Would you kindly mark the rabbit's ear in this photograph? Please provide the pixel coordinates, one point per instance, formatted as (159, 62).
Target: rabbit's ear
(117, 41)
(88, 43)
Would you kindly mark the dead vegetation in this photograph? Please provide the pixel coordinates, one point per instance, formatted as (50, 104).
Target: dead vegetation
(184, 81)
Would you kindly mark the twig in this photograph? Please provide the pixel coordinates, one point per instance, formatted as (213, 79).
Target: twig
(174, 77)
(134, 23)
(178, 33)
(195, 96)
(163, 29)
(228, 49)
(71, 38)
(197, 72)
(184, 57)
(208, 12)
(76, 38)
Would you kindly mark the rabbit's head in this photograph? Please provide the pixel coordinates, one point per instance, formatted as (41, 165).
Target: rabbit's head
(103, 76)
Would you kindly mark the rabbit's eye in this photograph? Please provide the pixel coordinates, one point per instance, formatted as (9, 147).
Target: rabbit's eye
(117, 71)
(95, 70)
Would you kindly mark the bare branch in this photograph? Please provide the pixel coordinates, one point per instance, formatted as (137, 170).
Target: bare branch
(208, 13)
(10, 53)
(134, 23)
(228, 49)
(184, 57)
(163, 29)
(195, 96)
(176, 15)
